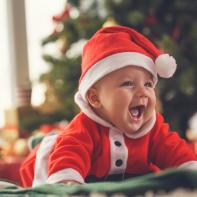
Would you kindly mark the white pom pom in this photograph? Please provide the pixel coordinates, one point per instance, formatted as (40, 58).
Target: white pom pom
(165, 65)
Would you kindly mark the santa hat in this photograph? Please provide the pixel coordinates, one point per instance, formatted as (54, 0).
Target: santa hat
(115, 47)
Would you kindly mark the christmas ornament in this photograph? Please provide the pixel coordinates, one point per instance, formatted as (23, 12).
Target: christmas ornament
(20, 147)
(176, 32)
(110, 22)
(63, 15)
(151, 18)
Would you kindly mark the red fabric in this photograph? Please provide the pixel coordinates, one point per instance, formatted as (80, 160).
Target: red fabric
(9, 169)
(84, 146)
(27, 168)
(87, 146)
(117, 39)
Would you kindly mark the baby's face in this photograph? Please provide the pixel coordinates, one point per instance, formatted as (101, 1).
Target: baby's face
(125, 98)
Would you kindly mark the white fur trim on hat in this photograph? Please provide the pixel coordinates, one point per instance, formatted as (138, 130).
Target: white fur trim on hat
(165, 65)
(112, 63)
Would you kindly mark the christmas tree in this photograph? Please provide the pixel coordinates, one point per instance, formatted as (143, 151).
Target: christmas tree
(170, 24)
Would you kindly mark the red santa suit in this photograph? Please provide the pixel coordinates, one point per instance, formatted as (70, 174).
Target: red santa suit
(87, 149)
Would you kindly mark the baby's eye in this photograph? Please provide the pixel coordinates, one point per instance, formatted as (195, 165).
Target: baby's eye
(149, 84)
(128, 83)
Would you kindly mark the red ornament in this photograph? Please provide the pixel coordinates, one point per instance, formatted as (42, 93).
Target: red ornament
(47, 128)
(62, 16)
(176, 32)
(151, 19)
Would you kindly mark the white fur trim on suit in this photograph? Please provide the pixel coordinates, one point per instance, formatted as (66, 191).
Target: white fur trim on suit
(41, 166)
(87, 110)
(112, 63)
(67, 174)
(117, 152)
(41, 162)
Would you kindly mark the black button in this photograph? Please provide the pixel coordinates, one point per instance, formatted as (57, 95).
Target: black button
(119, 162)
(117, 143)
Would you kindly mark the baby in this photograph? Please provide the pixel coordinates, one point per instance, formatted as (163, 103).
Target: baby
(118, 134)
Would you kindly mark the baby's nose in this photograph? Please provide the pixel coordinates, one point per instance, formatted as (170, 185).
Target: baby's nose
(141, 91)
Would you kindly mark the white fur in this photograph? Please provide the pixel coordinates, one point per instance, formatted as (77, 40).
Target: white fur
(165, 65)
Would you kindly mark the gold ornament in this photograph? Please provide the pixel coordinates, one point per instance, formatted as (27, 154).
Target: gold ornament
(21, 147)
(110, 22)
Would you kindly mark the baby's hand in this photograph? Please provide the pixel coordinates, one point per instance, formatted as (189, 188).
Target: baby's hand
(70, 182)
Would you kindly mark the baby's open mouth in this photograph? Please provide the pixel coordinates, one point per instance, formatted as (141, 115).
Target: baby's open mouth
(137, 111)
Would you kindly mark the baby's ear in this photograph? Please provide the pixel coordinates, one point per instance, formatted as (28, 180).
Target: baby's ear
(93, 98)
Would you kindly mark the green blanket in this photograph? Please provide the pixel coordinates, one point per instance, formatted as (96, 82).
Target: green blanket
(166, 181)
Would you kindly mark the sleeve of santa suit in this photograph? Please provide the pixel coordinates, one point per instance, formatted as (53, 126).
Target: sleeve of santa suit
(27, 168)
(70, 157)
(168, 149)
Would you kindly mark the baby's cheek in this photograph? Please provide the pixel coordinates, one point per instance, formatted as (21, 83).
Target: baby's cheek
(151, 107)
(153, 99)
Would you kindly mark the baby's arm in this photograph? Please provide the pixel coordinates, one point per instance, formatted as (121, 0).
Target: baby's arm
(169, 150)
(70, 158)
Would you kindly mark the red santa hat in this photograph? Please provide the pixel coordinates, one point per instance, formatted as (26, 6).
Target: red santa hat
(115, 47)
